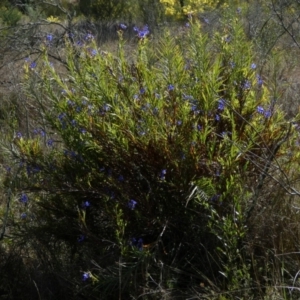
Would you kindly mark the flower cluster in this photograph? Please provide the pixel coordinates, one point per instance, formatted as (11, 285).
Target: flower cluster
(267, 113)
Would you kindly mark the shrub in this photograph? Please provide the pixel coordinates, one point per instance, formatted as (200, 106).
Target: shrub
(104, 10)
(145, 174)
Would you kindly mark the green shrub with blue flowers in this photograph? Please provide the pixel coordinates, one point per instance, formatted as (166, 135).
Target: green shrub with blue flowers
(143, 174)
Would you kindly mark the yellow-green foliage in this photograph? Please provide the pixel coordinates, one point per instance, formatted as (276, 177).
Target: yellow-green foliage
(9, 16)
(178, 9)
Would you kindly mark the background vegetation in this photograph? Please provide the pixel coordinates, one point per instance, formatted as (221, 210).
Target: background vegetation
(149, 150)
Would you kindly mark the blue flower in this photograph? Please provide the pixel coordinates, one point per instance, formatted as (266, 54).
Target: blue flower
(259, 80)
(93, 52)
(19, 135)
(268, 113)
(106, 107)
(70, 103)
(227, 39)
(260, 109)
(163, 174)
(83, 131)
(253, 66)
(123, 26)
(23, 198)
(170, 87)
(50, 143)
(32, 65)
(137, 243)
(155, 110)
(142, 33)
(49, 38)
(89, 37)
(23, 215)
(39, 131)
(86, 276)
(85, 204)
(221, 104)
(61, 116)
(81, 238)
(217, 118)
(246, 85)
(132, 204)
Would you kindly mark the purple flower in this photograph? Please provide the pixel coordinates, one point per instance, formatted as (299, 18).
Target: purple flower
(123, 26)
(85, 204)
(50, 143)
(260, 109)
(137, 243)
(61, 116)
(49, 38)
(89, 37)
(163, 174)
(171, 87)
(268, 113)
(246, 85)
(253, 66)
(132, 204)
(217, 118)
(23, 215)
(81, 238)
(86, 276)
(32, 65)
(227, 39)
(142, 33)
(19, 135)
(83, 131)
(23, 198)
(259, 80)
(39, 131)
(93, 52)
(105, 107)
(221, 104)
